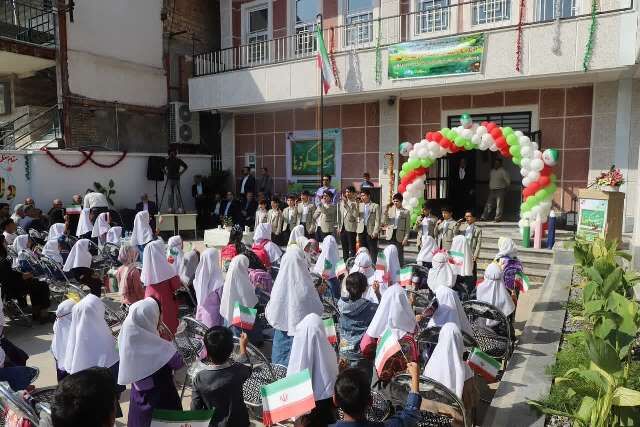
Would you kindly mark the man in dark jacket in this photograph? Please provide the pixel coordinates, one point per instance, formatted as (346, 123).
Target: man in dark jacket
(56, 213)
(231, 209)
(247, 183)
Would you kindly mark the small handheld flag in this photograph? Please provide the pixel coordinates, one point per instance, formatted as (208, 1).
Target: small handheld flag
(287, 398)
(405, 276)
(243, 317)
(522, 281)
(330, 329)
(381, 262)
(327, 269)
(483, 364)
(388, 345)
(456, 258)
(167, 418)
(341, 268)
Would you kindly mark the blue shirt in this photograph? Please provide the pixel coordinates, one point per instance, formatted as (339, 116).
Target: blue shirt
(408, 417)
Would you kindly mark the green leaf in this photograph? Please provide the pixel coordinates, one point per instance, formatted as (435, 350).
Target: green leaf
(593, 306)
(604, 266)
(603, 355)
(623, 396)
(590, 291)
(612, 281)
(586, 408)
(623, 255)
(594, 275)
(603, 327)
(546, 410)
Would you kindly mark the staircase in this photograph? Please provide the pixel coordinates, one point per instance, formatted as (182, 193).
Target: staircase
(32, 131)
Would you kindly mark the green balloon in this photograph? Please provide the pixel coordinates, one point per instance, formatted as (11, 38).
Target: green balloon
(429, 163)
(515, 150)
(402, 173)
(512, 139)
(414, 163)
(445, 131)
(517, 160)
(459, 141)
(507, 131)
(424, 163)
(414, 217)
(420, 203)
(406, 167)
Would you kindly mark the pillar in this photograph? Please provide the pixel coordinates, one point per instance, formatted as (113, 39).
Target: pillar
(389, 119)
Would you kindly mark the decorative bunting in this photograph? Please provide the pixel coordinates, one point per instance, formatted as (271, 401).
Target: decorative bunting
(588, 52)
(519, 36)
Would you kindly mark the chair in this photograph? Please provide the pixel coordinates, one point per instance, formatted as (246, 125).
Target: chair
(260, 376)
(39, 237)
(328, 302)
(379, 410)
(431, 391)
(18, 407)
(420, 299)
(111, 251)
(427, 339)
(495, 340)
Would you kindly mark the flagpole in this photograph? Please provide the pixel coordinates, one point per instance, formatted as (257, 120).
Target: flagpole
(321, 169)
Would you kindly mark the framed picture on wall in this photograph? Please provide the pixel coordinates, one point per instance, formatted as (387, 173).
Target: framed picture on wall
(304, 157)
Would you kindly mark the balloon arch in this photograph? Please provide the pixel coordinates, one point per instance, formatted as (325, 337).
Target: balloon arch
(538, 179)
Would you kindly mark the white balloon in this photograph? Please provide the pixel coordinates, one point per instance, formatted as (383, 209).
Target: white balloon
(524, 172)
(466, 133)
(533, 176)
(412, 153)
(524, 163)
(423, 152)
(523, 139)
(537, 154)
(481, 130)
(535, 210)
(523, 223)
(476, 139)
(534, 145)
(526, 181)
(525, 152)
(493, 147)
(518, 133)
(413, 202)
(536, 164)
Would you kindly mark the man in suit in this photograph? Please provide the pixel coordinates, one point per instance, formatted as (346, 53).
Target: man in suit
(247, 183)
(347, 222)
(290, 218)
(231, 209)
(325, 216)
(200, 192)
(397, 224)
(473, 234)
(249, 206)
(305, 214)
(265, 183)
(150, 206)
(218, 203)
(56, 213)
(368, 224)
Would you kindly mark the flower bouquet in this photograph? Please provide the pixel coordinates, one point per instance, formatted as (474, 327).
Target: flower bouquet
(610, 180)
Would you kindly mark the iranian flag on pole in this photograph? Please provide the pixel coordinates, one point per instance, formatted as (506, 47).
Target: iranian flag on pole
(73, 210)
(381, 262)
(330, 329)
(166, 418)
(522, 281)
(243, 317)
(405, 276)
(388, 345)
(322, 57)
(483, 364)
(341, 268)
(287, 398)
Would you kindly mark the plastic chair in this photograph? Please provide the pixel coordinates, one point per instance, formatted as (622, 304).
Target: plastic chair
(495, 340)
(427, 339)
(328, 302)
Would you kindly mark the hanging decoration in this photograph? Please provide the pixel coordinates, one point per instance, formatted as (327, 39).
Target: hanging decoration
(88, 157)
(588, 52)
(519, 36)
(27, 167)
(332, 58)
(535, 167)
(378, 57)
(557, 12)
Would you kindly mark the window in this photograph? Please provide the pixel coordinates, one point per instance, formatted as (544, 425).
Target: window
(257, 32)
(488, 11)
(358, 22)
(433, 15)
(5, 100)
(545, 9)
(306, 12)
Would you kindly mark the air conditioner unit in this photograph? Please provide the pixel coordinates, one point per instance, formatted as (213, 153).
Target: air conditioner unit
(184, 126)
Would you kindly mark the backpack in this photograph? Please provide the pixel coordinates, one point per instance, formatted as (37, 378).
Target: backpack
(261, 279)
(261, 253)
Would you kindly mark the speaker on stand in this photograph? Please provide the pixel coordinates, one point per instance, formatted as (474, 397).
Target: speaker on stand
(155, 172)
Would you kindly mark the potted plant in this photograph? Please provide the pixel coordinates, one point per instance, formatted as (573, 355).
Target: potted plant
(610, 180)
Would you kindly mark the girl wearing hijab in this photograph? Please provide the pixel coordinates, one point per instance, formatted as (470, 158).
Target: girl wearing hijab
(440, 273)
(79, 265)
(187, 270)
(128, 275)
(392, 264)
(507, 258)
(327, 262)
(114, 235)
(207, 285)
(174, 252)
(492, 291)
(364, 265)
(56, 230)
(298, 231)
(85, 226)
(61, 335)
(161, 282)
(237, 247)
(142, 232)
(292, 298)
(101, 227)
(147, 362)
(268, 252)
(427, 250)
(311, 350)
(447, 367)
(22, 246)
(51, 250)
(450, 310)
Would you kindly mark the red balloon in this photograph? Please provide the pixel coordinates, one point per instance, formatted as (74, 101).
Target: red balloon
(490, 126)
(546, 170)
(402, 188)
(437, 136)
(428, 136)
(533, 187)
(495, 133)
(544, 181)
(501, 142)
(485, 123)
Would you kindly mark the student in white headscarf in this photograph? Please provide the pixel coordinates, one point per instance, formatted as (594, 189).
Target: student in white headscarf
(507, 258)
(427, 250)
(147, 362)
(101, 227)
(394, 312)
(326, 264)
(128, 275)
(161, 282)
(56, 230)
(293, 297)
(298, 231)
(207, 284)
(51, 250)
(492, 291)
(22, 247)
(263, 244)
(174, 252)
(79, 265)
(114, 235)
(61, 329)
(311, 350)
(85, 226)
(392, 264)
(142, 232)
(237, 288)
(450, 310)
(440, 273)
(460, 253)
(187, 271)
(446, 365)
(363, 264)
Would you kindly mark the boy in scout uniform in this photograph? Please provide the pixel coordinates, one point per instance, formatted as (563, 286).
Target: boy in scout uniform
(397, 224)
(368, 224)
(276, 220)
(289, 218)
(305, 214)
(347, 222)
(446, 229)
(325, 216)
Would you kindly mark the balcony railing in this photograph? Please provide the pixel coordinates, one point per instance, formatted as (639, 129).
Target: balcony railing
(28, 22)
(437, 18)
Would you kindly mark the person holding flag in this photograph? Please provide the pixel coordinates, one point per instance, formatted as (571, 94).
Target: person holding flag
(311, 350)
(327, 263)
(428, 248)
(450, 310)
(238, 289)
(364, 265)
(208, 284)
(462, 264)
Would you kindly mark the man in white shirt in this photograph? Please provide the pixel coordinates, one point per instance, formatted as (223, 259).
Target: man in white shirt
(499, 182)
(326, 186)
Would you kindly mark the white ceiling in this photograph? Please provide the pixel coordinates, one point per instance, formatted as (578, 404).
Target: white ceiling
(22, 65)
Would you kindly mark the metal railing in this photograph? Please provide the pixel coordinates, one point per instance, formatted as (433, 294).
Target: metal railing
(44, 126)
(436, 18)
(28, 22)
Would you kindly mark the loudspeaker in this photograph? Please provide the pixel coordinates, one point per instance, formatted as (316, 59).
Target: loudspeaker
(155, 168)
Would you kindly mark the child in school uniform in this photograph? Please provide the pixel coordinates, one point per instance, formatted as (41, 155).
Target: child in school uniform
(262, 214)
(276, 220)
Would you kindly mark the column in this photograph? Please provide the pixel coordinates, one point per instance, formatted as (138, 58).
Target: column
(227, 143)
(389, 119)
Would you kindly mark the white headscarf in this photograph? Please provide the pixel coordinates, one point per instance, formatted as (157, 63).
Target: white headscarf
(142, 232)
(188, 267)
(90, 343)
(293, 295)
(20, 244)
(101, 226)
(61, 331)
(393, 263)
(114, 234)
(427, 248)
(450, 310)
(142, 350)
(263, 232)
(84, 223)
(394, 312)
(298, 231)
(79, 256)
(329, 252)
(208, 276)
(174, 249)
(464, 264)
(56, 230)
(311, 350)
(445, 364)
(492, 290)
(52, 250)
(506, 248)
(363, 264)
(237, 288)
(440, 273)
(155, 267)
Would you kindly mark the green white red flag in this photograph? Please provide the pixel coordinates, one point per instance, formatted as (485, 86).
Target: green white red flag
(341, 268)
(405, 276)
(327, 269)
(324, 63)
(456, 258)
(243, 317)
(483, 364)
(381, 262)
(522, 281)
(167, 418)
(286, 398)
(388, 345)
(73, 210)
(330, 329)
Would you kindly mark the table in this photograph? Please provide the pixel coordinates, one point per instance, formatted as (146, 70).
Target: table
(219, 238)
(176, 223)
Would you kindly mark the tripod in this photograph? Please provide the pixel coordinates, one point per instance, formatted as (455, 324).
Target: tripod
(178, 197)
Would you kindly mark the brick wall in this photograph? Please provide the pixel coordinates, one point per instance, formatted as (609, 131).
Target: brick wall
(264, 134)
(39, 90)
(198, 17)
(564, 118)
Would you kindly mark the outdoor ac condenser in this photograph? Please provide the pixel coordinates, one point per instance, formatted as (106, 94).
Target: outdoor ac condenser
(184, 126)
